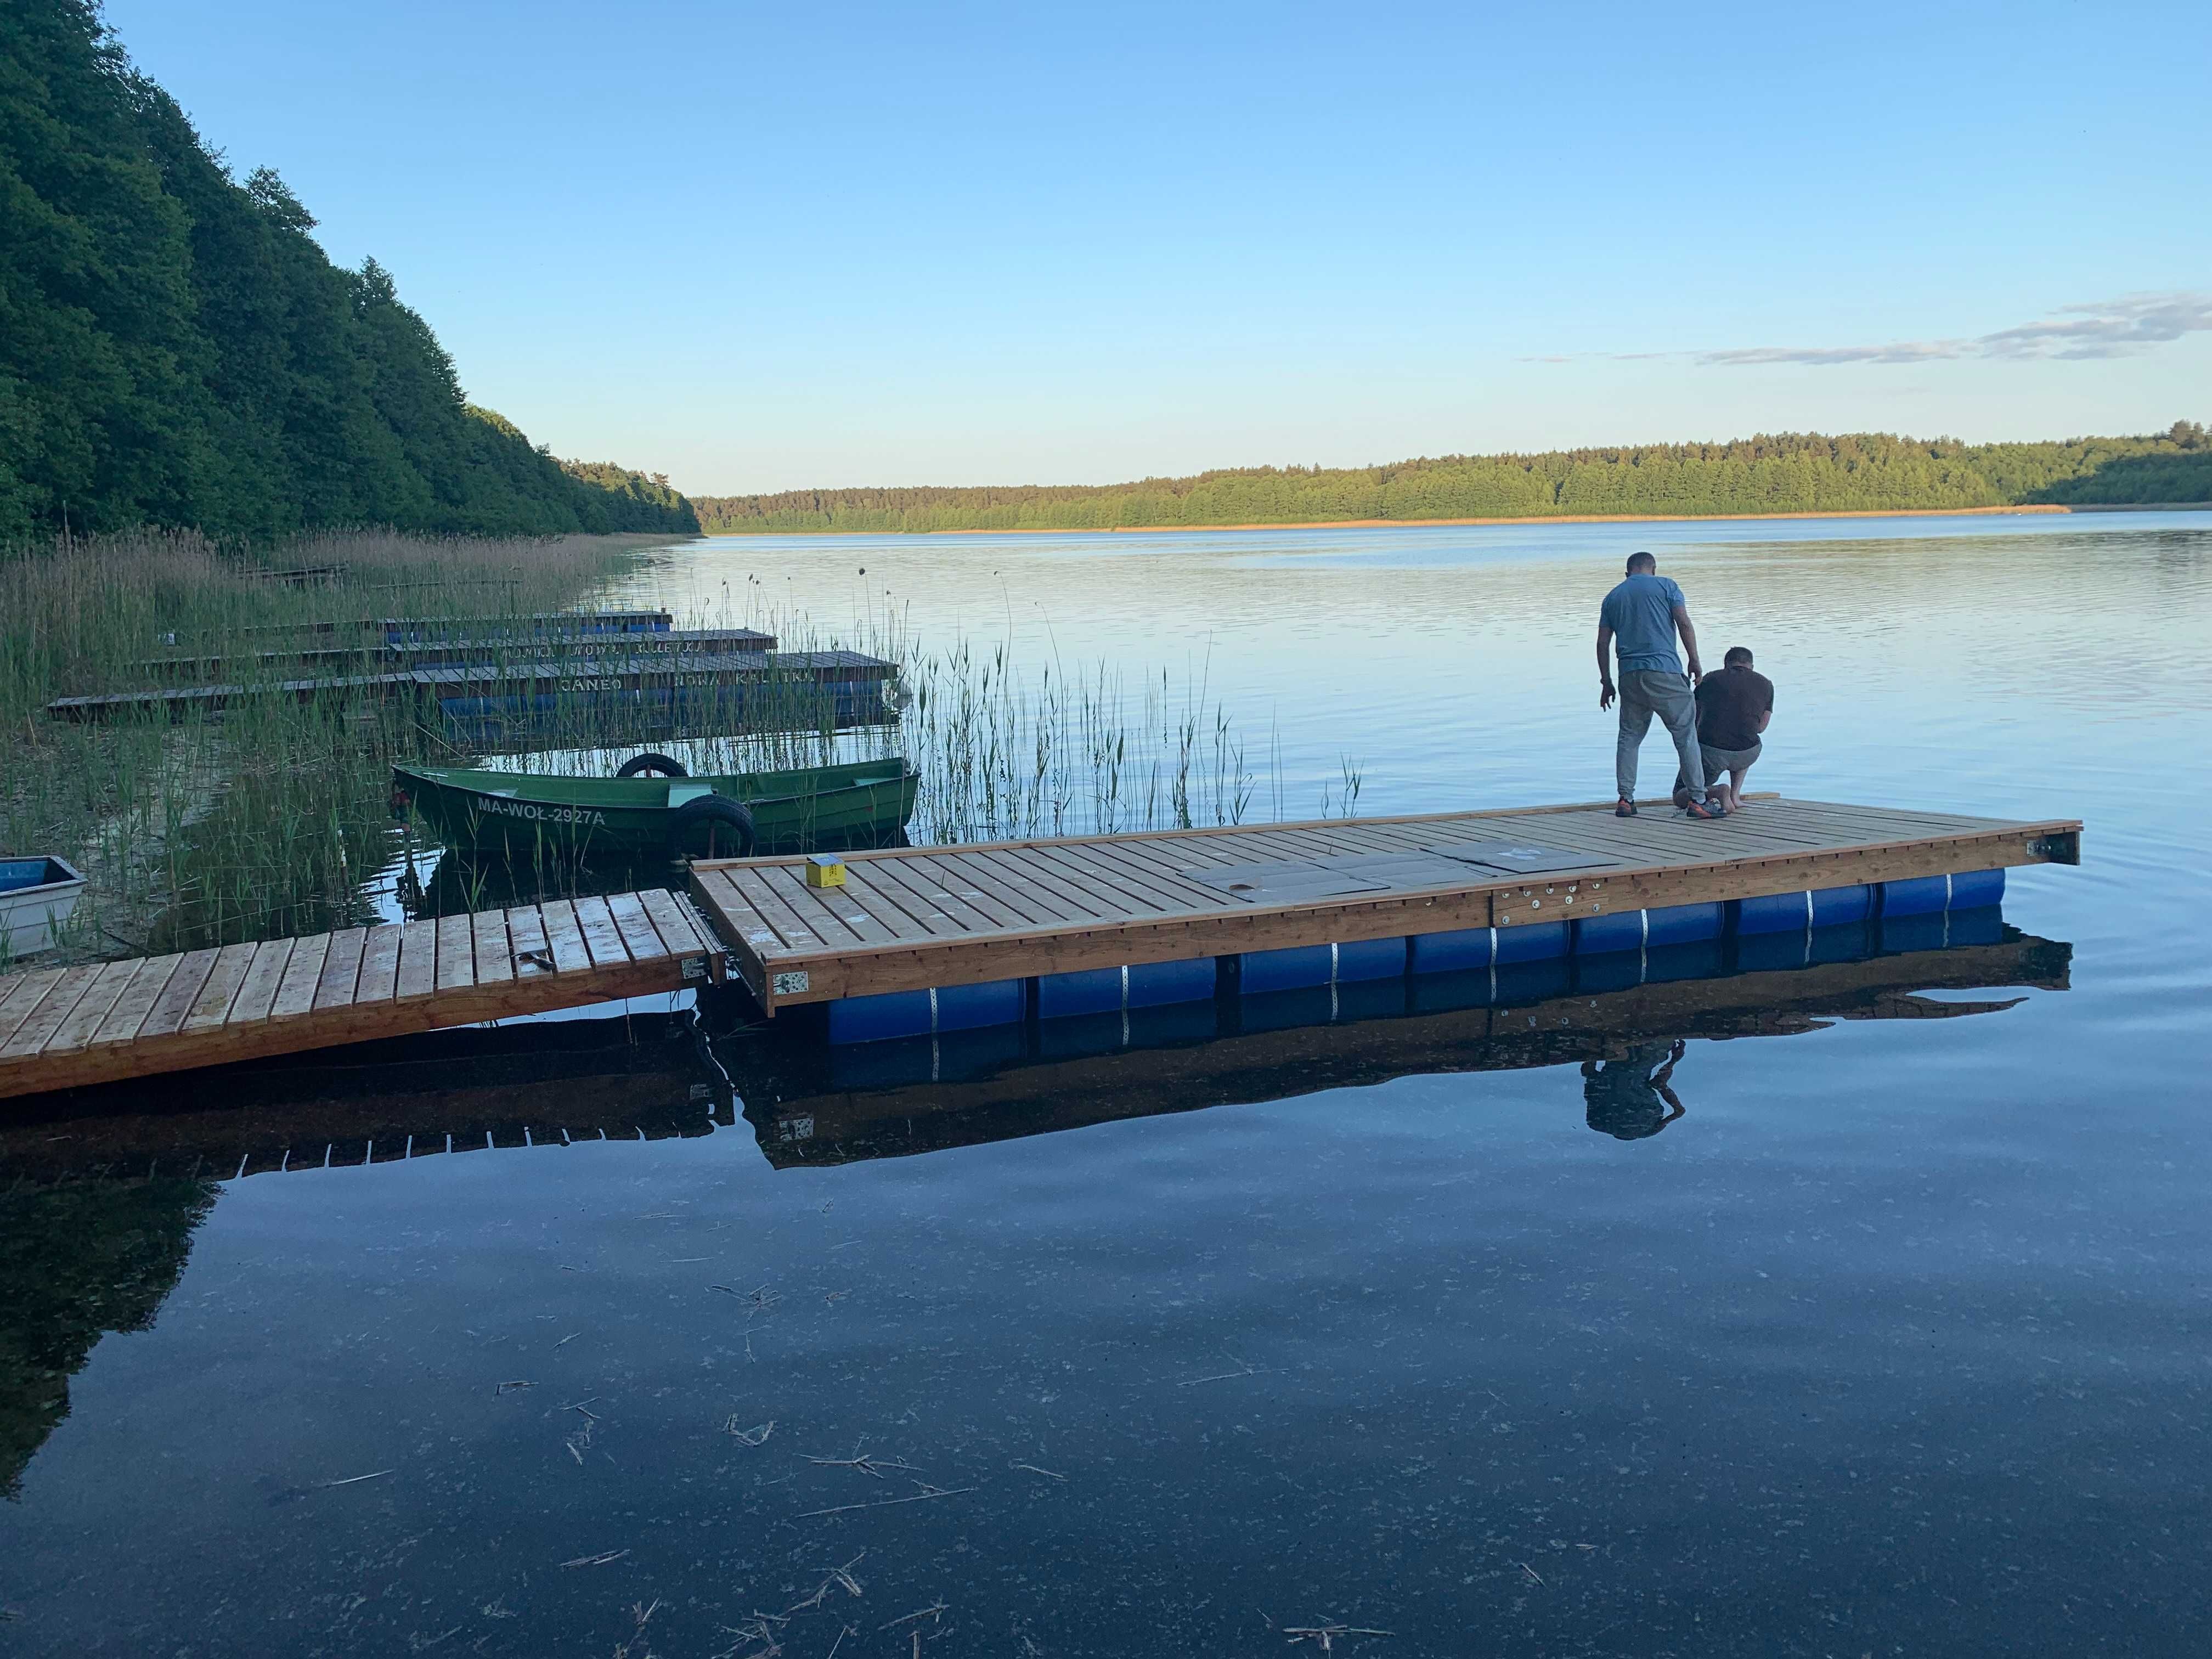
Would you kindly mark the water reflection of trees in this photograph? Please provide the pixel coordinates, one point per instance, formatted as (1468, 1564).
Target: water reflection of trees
(76, 1261)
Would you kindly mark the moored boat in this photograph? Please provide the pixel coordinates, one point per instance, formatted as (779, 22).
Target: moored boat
(527, 814)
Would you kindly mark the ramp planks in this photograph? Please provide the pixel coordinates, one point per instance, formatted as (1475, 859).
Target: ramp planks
(61, 1028)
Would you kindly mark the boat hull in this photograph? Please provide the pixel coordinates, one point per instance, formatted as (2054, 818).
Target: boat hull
(531, 816)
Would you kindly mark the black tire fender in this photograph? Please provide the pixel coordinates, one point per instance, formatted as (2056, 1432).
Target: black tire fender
(638, 766)
(719, 826)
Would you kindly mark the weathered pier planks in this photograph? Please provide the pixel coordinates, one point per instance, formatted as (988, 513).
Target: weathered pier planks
(470, 688)
(61, 1028)
(929, 918)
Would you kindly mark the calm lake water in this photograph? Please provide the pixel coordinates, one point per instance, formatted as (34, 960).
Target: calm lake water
(1897, 1340)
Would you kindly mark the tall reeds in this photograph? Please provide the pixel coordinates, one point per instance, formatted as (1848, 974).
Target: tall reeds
(259, 818)
(270, 813)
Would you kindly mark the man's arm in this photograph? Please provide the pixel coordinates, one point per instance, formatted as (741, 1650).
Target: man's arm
(1604, 666)
(1689, 641)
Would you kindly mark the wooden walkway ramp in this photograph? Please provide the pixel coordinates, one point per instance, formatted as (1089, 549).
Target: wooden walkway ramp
(62, 1027)
(929, 918)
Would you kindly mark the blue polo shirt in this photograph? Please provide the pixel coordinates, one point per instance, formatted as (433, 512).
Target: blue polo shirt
(1640, 613)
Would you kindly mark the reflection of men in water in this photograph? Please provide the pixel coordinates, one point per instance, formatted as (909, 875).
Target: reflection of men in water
(1626, 1098)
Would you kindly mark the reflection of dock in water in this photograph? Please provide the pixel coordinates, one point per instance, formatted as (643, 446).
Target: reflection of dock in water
(816, 1121)
(637, 1077)
(650, 1077)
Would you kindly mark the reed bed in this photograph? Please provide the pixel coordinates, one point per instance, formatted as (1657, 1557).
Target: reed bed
(271, 815)
(261, 818)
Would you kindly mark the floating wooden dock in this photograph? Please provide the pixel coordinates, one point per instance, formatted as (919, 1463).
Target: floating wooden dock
(441, 651)
(62, 1027)
(396, 628)
(927, 940)
(850, 678)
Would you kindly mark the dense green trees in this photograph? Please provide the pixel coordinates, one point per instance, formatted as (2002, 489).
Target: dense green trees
(1787, 473)
(175, 349)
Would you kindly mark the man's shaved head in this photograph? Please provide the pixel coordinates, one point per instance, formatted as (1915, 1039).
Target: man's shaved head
(1639, 563)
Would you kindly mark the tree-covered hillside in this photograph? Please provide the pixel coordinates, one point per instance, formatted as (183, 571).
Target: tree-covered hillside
(1788, 473)
(176, 349)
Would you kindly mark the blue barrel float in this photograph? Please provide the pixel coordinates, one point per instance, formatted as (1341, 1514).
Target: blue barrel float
(1465, 967)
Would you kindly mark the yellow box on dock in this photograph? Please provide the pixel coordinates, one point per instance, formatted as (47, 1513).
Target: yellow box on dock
(824, 871)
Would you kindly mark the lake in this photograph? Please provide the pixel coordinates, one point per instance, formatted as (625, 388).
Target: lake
(1897, 1339)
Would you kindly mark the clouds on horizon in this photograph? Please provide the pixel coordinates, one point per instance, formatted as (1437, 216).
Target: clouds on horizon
(2113, 328)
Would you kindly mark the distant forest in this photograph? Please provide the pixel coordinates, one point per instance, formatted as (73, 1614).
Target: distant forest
(1789, 472)
(176, 349)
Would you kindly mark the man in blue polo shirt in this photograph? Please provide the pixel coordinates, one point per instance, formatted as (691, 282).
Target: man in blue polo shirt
(1642, 616)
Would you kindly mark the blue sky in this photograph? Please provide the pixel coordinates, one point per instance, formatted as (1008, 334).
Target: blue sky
(761, 248)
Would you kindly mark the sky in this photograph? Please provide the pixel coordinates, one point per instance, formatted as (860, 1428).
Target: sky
(769, 248)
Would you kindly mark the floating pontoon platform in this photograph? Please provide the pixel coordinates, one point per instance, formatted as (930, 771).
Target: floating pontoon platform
(929, 940)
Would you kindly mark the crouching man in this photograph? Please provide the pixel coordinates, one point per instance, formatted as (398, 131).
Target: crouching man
(1733, 707)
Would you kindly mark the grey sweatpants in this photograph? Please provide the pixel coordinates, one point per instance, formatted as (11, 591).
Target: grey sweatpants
(1645, 692)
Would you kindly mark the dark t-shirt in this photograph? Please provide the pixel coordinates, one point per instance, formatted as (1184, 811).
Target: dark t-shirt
(1729, 704)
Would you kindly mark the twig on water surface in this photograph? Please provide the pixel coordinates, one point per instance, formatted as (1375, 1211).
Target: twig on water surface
(762, 1298)
(566, 1340)
(1034, 1469)
(837, 1575)
(870, 1465)
(922, 1497)
(757, 1631)
(1326, 1635)
(509, 1388)
(596, 1560)
(639, 1613)
(1534, 1574)
(579, 1406)
(843, 1632)
(1245, 1370)
(752, 1437)
(935, 1612)
(352, 1480)
(579, 1442)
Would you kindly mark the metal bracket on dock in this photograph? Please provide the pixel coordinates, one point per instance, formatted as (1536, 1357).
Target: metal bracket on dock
(2064, 847)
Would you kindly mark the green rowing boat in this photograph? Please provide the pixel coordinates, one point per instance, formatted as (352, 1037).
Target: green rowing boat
(529, 814)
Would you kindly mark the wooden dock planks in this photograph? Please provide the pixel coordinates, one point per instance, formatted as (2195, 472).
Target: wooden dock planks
(624, 663)
(61, 1028)
(918, 918)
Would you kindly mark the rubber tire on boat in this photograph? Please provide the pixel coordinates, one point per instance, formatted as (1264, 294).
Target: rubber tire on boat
(638, 766)
(724, 821)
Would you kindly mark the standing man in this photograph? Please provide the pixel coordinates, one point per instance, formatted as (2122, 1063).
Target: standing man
(1644, 614)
